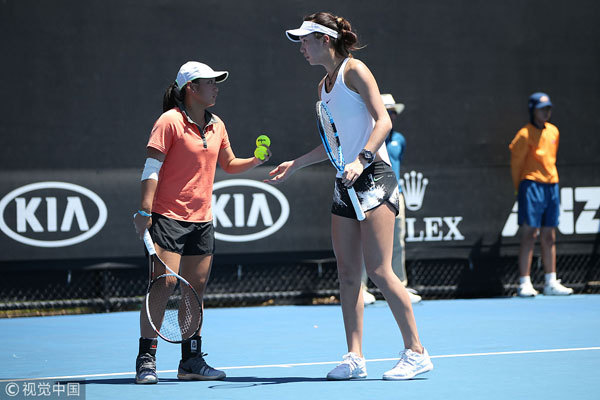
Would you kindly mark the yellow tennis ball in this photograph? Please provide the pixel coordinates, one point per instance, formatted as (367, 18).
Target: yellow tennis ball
(263, 140)
(261, 152)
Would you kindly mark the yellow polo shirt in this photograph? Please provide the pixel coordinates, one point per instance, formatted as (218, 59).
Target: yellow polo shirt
(533, 154)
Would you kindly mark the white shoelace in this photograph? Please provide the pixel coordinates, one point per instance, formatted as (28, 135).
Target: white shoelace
(350, 360)
(406, 359)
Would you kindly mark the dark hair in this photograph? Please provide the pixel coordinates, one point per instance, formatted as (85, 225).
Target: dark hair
(347, 40)
(173, 96)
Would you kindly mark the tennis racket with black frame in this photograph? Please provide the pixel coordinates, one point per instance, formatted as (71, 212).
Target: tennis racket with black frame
(173, 307)
(331, 142)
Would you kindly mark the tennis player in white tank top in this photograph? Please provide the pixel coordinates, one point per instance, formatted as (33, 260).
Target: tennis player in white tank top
(351, 115)
(353, 97)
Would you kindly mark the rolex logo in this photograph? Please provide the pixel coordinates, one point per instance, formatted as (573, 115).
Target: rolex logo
(413, 186)
(429, 228)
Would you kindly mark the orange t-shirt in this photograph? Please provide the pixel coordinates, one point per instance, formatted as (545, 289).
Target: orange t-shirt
(533, 154)
(185, 181)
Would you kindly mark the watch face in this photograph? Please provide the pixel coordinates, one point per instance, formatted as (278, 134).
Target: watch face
(367, 155)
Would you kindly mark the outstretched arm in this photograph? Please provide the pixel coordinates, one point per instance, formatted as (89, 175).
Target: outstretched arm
(284, 170)
(233, 165)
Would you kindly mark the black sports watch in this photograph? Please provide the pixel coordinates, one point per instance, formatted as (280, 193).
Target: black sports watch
(367, 155)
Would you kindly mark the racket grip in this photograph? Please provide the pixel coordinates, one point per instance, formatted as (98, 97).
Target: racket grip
(149, 243)
(360, 215)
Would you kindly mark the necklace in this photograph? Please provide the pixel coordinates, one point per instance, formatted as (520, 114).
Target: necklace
(328, 78)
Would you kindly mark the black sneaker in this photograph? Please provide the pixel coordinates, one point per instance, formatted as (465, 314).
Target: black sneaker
(196, 369)
(145, 369)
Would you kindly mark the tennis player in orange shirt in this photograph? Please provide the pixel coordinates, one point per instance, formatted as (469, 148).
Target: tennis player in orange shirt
(186, 143)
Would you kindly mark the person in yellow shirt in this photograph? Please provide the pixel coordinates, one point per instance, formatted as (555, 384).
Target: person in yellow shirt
(535, 177)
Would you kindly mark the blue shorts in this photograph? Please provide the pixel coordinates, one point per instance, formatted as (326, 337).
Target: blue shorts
(539, 204)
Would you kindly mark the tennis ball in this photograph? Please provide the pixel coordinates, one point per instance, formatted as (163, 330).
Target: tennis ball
(263, 140)
(261, 152)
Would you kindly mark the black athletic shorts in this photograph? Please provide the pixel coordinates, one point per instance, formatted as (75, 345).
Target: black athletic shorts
(376, 185)
(185, 238)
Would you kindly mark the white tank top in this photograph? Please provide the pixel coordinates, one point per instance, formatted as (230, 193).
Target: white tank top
(352, 118)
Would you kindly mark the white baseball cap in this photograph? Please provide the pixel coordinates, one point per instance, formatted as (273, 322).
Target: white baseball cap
(389, 102)
(193, 70)
(308, 27)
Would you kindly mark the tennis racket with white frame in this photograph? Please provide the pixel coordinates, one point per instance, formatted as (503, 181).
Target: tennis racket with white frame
(331, 142)
(173, 307)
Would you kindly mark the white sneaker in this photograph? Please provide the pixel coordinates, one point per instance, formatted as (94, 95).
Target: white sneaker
(352, 367)
(368, 298)
(410, 365)
(555, 288)
(414, 297)
(526, 290)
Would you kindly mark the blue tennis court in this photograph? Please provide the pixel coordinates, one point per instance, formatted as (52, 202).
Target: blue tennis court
(505, 348)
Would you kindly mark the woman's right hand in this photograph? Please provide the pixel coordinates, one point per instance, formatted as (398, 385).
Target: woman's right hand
(141, 223)
(281, 172)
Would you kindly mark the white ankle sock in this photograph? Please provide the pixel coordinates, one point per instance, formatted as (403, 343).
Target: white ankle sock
(551, 277)
(524, 279)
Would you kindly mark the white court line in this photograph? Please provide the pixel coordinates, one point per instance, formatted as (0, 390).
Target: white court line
(501, 353)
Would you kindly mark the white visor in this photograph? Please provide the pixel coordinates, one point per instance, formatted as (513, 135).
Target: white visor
(307, 28)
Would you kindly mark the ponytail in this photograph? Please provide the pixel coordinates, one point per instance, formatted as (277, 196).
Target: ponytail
(173, 96)
(347, 40)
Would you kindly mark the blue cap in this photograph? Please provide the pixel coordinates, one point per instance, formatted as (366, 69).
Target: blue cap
(539, 100)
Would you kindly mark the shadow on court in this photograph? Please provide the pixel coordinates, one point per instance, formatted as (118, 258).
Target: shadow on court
(229, 383)
(234, 381)
(239, 382)
(125, 381)
(243, 382)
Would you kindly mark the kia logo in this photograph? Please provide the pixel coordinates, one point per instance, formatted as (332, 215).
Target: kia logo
(245, 210)
(48, 214)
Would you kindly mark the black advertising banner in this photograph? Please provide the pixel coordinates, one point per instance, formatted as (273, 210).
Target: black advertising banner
(88, 214)
(68, 214)
(449, 212)
(83, 89)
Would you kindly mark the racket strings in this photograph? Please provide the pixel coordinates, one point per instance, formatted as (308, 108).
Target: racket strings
(331, 136)
(173, 308)
(188, 319)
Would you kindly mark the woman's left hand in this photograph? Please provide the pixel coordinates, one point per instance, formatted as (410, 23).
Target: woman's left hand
(351, 172)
